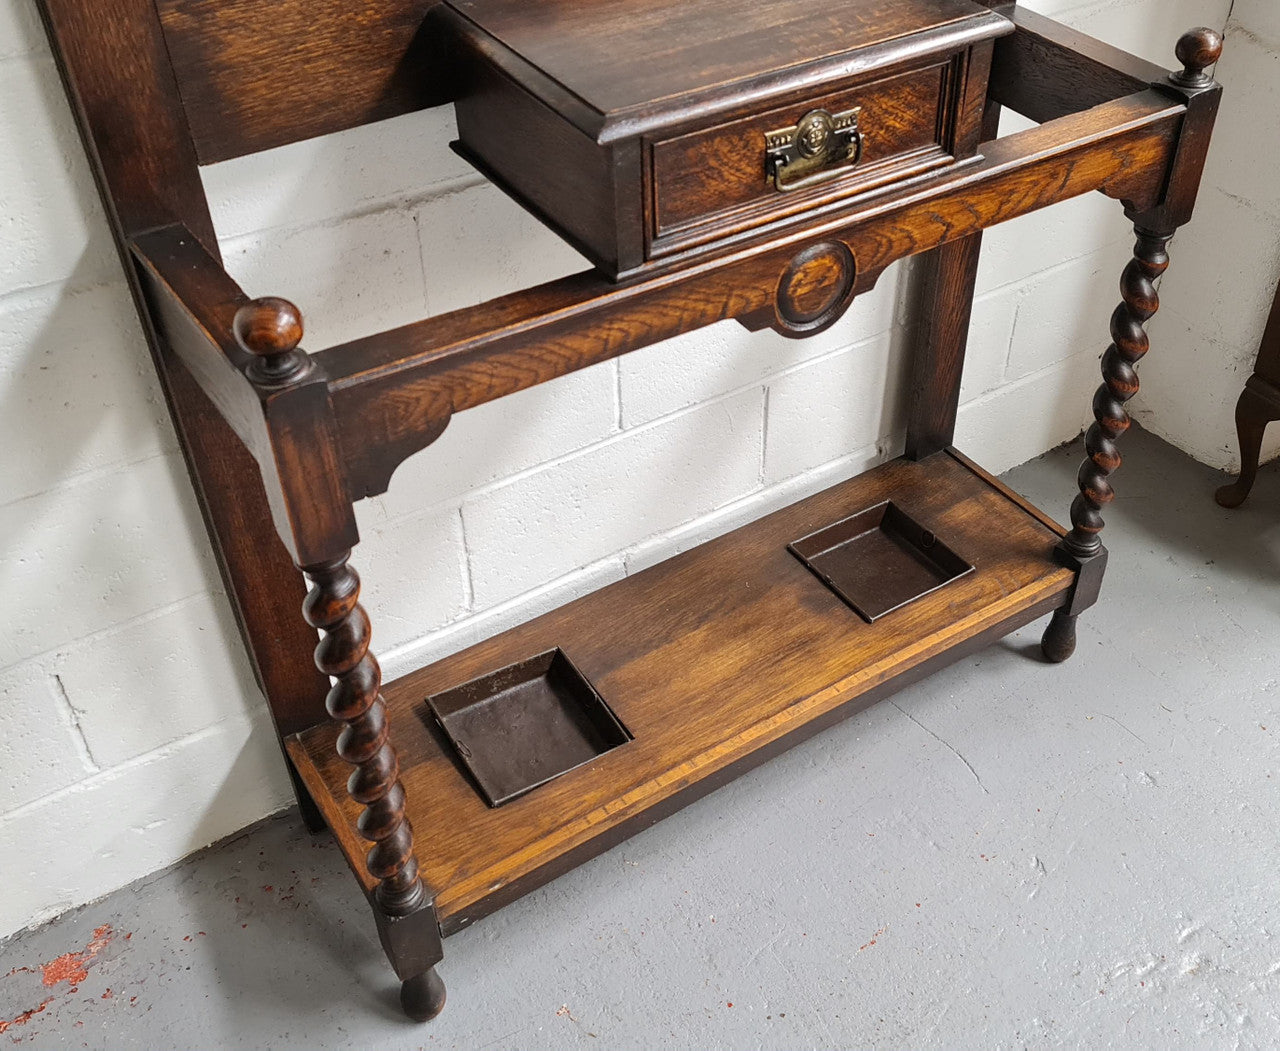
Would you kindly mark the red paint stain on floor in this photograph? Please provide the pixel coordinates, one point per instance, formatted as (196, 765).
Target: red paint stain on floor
(26, 1016)
(73, 967)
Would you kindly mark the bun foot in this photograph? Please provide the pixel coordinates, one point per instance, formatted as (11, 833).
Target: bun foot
(422, 996)
(1059, 641)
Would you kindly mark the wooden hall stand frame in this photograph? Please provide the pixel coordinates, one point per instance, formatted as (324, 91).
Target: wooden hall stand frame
(712, 661)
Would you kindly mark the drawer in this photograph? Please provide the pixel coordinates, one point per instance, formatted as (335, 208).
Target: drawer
(651, 133)
(724, 179)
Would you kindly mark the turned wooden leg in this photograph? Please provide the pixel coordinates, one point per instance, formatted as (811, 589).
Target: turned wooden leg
(422, 996)
(1081, 548)
(406, 918)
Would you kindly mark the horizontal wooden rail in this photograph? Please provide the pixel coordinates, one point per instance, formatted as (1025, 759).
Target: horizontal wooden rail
(194, 300)
(288, 427)
(393, 393)
(1045, 70)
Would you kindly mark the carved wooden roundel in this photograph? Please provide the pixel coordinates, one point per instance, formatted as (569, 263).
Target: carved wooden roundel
(815, 288)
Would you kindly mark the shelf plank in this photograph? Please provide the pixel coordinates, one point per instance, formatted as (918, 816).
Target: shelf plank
(713, 660)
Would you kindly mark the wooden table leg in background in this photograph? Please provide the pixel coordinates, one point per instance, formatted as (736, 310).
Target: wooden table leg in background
(1258, 406)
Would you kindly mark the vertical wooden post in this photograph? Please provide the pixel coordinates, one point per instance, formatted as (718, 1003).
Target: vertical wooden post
(944, 307)
(1081, 549)
(125, 100)
(315, 519)
(947, 276)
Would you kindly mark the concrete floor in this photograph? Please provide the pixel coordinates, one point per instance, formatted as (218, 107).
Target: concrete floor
(1009, 855)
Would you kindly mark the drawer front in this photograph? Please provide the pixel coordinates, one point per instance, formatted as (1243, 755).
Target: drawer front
(714, 182)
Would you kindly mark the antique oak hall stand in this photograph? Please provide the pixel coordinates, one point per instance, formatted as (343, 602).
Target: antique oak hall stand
(761, 160)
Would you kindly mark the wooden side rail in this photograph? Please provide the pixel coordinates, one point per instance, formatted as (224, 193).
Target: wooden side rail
(272, 394)
(194, 301)
(393, 393)
(1045, 70)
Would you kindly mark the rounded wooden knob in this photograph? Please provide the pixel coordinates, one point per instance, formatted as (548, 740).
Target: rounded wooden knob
(268, 327)
(1197, 50)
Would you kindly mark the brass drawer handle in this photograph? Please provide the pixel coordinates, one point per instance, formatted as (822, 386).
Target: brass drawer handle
(820, 147)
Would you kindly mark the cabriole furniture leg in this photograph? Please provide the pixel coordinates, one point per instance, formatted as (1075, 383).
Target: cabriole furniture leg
(1258, 406)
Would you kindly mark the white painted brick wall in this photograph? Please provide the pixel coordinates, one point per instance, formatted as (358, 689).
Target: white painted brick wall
(130, 733)
(1226, 263)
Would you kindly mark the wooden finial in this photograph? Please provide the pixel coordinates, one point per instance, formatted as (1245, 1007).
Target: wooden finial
(271, 329)
(1197, 50)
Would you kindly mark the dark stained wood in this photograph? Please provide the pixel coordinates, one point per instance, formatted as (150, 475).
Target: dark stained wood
(1202, 96)
(699, 176)
(746, 624)
(340, 64)
(946, 277)
(815, 289)
(1046, 70)
(1081, 549)
(122, 89)
(390, 867)
(628, 64)
(192, 302)
(1129, 344)
(114, 64)
(395, 391)
(568, 176)
(625, 92)
(1197, 51)
(620, 110)
(333, 607)
(1258, 406)
(945, 280)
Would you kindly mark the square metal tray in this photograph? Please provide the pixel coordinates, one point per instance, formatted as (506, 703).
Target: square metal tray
(523, 725)
(879, 560)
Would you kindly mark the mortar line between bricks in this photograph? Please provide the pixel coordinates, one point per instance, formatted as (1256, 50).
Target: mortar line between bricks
(71, 714)
(764, 434)
(685, 410)
(256, 723)
(617, 392)
(400, 202)
(95, 474)
(430, 647)
(1012, 386)
(417, 653)
(465, 552)
(1010, 343)
(1123, 236)
(83, 641)
(45, 290)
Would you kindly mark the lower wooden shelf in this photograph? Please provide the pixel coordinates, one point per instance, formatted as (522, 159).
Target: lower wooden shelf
(713, 661)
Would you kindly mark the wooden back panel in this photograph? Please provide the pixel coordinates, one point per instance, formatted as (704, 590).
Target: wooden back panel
(254, 74)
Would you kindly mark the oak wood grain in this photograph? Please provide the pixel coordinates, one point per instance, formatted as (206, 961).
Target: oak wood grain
(395, 391)
(707, 659)
(114, 62)
(1046, 70)
(626, 62)
(342, 63)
